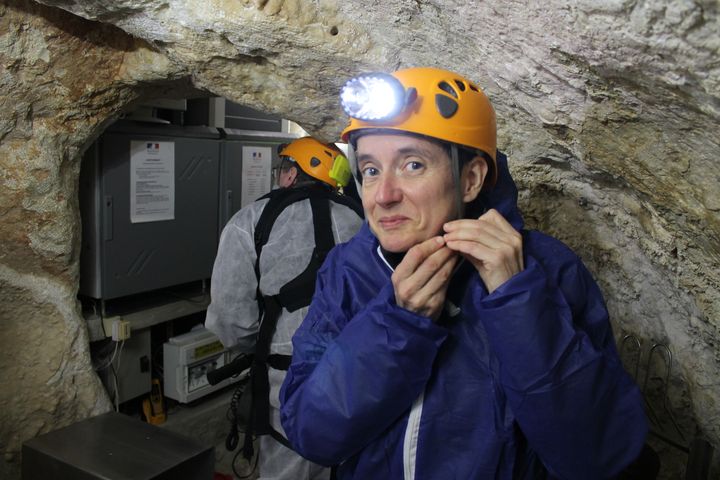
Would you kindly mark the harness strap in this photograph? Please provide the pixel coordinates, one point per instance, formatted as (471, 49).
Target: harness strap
(281, 198)
(298, 292)
(295, 294)
(259, 421)
(279, 362)
(260, 416)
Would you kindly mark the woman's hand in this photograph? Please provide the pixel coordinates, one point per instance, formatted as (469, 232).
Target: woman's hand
(422, 277)
(490, 243)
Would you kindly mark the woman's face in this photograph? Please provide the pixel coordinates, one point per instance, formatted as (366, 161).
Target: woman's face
(407, 188)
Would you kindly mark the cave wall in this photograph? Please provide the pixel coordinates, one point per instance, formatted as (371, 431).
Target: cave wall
(607, 109)
(61, 79)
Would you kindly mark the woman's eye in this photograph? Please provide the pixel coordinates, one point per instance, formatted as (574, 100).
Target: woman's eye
(414, 166)
(369, 171)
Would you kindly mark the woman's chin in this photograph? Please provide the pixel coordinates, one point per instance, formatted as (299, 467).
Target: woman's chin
(396, 245)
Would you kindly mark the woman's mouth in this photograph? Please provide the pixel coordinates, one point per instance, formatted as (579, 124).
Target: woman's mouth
(389, 223)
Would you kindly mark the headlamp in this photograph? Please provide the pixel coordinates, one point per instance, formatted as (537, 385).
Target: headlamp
(373, 97)
(340, 171)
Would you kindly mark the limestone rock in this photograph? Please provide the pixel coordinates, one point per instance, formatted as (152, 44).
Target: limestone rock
(608, 110)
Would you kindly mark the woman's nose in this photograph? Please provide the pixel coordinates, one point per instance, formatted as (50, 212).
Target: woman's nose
(388, 190)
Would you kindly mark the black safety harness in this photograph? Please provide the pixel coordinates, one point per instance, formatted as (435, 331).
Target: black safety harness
(295, 294)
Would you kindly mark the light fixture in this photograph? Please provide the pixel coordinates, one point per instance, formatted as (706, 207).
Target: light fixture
(373, 97)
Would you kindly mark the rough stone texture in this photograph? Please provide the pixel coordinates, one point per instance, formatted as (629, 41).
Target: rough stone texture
(608, 110)
(61, 79)
(48, 378)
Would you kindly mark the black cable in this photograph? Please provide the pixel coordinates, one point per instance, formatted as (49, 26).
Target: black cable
(233, 437)
(251, 471)
(232, 409)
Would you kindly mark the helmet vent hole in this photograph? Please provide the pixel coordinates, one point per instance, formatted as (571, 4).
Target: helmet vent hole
(447, 88)
(473, 87)
(314, 162)
(328, 153)
(446, 106)
(461, 85)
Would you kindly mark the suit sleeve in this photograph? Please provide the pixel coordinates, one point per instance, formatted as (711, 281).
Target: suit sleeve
(233, 312)
(353, 375)
(578, 408)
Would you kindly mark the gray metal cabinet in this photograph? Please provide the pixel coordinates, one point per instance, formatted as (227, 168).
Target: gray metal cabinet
(120, 257)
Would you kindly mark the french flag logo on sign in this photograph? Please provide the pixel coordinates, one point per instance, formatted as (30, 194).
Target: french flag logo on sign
(152, 147)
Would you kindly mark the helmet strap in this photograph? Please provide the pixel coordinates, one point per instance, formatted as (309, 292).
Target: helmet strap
(455, 169)
(354, 168)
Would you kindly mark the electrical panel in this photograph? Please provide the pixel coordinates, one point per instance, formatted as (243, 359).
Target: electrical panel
(231, 165)
(148, 222)
(154, 199)
(187, 359)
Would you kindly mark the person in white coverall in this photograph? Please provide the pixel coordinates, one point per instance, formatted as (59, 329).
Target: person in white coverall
(316, 169)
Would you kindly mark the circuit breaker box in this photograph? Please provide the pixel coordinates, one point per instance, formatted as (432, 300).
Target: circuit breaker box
(187, 359)
(149, 208)
(239, 146)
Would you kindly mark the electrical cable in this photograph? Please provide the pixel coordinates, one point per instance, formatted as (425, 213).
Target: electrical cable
(116, 393)
(112, 358)
(117, 386)
(233, 437)
(252, 471)
(122, 344)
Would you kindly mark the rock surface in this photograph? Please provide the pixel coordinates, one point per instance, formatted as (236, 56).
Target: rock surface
(609, 111)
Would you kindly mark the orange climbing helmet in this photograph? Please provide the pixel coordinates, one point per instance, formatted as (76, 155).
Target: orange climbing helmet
(319, 160)
(426, 101)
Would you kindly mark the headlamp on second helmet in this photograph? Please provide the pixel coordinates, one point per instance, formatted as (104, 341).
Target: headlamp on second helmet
(321, 161)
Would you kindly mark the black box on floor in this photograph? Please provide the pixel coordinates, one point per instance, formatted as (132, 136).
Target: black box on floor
(116, 447)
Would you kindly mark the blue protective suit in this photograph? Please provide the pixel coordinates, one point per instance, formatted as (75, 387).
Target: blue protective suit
(522, 383)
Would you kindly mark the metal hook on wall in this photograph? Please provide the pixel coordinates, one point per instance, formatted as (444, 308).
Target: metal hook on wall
(632, 338)
(668, 358)
(699, 450)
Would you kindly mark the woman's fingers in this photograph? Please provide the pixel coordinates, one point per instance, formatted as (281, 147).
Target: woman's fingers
(420, 280)
(492, 245)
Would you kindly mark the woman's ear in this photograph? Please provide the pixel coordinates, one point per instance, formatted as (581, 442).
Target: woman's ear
(472, 178)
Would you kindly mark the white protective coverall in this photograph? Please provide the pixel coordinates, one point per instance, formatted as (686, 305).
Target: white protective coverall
(233, 312)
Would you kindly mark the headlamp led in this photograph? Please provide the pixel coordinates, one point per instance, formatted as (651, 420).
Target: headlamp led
(373, 97)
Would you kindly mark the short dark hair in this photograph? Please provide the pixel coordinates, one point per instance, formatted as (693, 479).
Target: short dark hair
(301, 178)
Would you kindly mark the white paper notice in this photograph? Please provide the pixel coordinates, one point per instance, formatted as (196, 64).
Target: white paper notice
(152, 181)
(256, 181)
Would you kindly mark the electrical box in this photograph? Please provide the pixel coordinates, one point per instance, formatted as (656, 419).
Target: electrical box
(188, 358)
(149, 207)
(231, 167)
